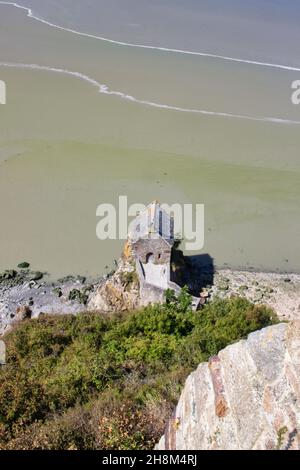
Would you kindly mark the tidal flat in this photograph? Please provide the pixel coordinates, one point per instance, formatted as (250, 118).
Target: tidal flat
(66, 148)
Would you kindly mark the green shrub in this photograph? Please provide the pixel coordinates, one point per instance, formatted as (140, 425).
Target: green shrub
(129, 279)
(79, 296)
(102, 374)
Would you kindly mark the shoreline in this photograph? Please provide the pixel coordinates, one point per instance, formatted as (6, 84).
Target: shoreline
(105, 88)
(162, 49)
(253, 270)
(278, 291)
(29, 294)
(22, 296)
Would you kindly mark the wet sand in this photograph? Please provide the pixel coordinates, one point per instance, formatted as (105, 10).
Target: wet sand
(65, 148)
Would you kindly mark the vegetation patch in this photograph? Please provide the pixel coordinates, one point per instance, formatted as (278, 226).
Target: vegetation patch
(24, 265)
(129, 279)
(95, 382)
(79, 296)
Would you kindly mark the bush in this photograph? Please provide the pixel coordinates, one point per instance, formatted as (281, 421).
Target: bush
(92, 382)
(71, 431)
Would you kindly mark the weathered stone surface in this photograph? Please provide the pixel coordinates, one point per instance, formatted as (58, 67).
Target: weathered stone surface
(23, 312)
(270, 289)
(125, 290)
(247, 397)
(39, 297)
(2, 353)
(120, 292)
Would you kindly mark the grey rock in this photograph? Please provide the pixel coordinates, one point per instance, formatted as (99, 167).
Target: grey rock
(37, 276)
(57, 291)
(247, 397)
(259, 296)
(9, 274)
(2, 353)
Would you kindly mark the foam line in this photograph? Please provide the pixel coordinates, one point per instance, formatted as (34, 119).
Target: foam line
(155, 48)
(104, 89)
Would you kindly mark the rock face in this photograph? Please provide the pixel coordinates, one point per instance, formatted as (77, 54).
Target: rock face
(22, 298)
(2, 353)
(120, 292)
(279, 291)
(246, 397)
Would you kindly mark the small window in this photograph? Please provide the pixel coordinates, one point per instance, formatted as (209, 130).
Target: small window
(149, 258)
(159, 256)
(160, 223)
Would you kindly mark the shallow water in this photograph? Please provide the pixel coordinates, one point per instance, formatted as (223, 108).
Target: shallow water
(65, 148)
(266, 30)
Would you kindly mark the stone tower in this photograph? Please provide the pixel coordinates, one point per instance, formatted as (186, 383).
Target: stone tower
(152, 237)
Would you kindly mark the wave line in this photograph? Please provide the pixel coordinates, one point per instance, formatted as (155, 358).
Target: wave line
(155, 48)
(104, 89)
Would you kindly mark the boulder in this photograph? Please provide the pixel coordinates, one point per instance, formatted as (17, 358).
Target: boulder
(119, 292)
(37, 276)
(24, 265)
(246, 397)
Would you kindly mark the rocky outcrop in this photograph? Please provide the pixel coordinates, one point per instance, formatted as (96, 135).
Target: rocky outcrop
(2, 353)
(120, 291)
(22, 298)
(281, 292)
(246, 397)
(128, 289)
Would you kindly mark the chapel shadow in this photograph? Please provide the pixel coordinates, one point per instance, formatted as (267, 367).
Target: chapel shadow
(196, 271)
